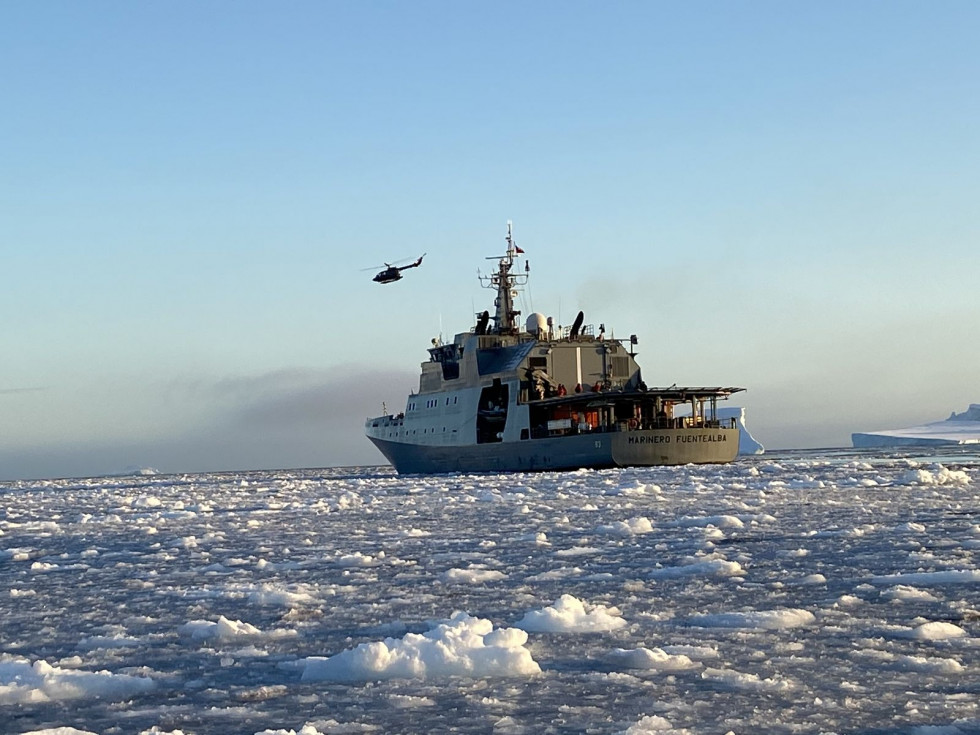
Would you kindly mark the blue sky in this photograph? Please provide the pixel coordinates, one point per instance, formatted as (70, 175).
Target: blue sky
(775, 195)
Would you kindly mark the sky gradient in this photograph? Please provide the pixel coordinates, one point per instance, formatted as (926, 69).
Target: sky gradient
(780, 196)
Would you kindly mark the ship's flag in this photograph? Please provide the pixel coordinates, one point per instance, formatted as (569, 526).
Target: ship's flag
(518, 250)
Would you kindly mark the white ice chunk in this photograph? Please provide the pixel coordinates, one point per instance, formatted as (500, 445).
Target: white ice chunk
(357, 559)
(813, 579)
(939, 476)
(570, 615)
(628, 527)
(698, 653)
(271, 594)
(409, 701)
(719, 521)
(109, 641)
(307, 729)
(461, 646)
(949, 576)
(473, 575)
(702, 568)
(931, 665)
(747, 682)
(756, 619)
(23, 682)
(903, 592)
(223, 629)
(651, 658)
(937, 631)
(648, 725)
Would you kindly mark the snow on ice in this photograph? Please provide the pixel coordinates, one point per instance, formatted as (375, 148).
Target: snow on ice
(685, 600)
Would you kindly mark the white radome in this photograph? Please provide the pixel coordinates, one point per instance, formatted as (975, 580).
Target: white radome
(536, 323)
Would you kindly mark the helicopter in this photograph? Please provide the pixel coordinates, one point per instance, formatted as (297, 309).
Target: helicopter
(394, 273)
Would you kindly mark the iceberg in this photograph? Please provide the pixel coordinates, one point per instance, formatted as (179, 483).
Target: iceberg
(747, 443)
(959, 428)
(138, 470)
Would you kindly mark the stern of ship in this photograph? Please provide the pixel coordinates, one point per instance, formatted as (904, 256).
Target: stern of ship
(674, 446)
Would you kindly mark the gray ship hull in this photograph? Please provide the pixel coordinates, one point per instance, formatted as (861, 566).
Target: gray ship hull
(591, 450)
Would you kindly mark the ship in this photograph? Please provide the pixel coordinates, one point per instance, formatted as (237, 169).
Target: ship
(507, 396)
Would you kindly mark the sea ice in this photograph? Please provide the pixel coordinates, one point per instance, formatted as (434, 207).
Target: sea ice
(749, 578)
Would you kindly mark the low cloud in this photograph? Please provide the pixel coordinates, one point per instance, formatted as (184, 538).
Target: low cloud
(331, 397)
(294, 418)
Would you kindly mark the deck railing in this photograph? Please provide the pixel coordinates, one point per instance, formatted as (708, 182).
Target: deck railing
(684, 422)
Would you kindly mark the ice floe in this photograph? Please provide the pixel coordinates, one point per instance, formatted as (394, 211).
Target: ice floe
(571, 615)
(26, 682)
(756, 619)
(647, 658)
(461, 646)
(629, 527)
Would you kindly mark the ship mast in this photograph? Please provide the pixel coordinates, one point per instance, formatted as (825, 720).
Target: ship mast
(505, 284)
